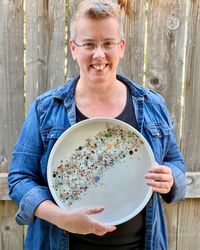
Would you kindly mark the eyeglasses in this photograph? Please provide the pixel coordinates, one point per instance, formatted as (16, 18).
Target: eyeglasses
(90, 47)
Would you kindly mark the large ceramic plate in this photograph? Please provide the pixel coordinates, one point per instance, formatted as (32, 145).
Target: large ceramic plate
(101, 162)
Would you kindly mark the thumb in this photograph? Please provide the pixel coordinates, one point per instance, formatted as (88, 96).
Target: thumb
(90, 211)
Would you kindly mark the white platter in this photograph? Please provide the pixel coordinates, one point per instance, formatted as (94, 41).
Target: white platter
(101, 162)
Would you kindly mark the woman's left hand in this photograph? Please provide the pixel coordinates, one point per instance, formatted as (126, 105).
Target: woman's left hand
(160, 178)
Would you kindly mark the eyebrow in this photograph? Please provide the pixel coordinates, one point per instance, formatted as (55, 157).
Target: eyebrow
(92, 40)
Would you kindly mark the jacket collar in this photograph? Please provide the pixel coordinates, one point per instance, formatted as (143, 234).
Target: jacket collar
(136, 89)
(67, 91)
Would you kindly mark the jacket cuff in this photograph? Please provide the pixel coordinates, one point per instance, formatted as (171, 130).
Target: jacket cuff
(178, 189)
(30, 202)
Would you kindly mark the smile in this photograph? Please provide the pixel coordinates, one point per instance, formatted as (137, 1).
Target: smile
(99, 67)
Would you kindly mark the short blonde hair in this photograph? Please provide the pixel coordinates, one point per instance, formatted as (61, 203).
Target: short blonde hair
(97, 9)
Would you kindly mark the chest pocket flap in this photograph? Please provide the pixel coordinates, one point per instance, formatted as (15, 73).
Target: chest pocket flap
(158, 130)
(51, 134)
(54, 134)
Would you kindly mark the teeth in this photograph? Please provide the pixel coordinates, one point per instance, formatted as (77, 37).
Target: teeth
(99, 67)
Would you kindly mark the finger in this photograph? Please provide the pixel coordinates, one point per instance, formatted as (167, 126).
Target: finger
(90, 211)
(160, 169)
(101, 226)
(101, 232)
(161, 187)
(101, 229)
(158, 177)
(110, 228)
(160, 191)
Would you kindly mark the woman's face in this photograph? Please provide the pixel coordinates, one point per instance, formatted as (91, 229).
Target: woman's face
(99, 63)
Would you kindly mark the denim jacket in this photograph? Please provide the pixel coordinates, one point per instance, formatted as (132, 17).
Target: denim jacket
(49, 116)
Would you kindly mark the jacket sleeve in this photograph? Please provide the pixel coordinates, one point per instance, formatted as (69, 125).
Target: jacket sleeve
(26, 184)
(174, 159)
(160, 135)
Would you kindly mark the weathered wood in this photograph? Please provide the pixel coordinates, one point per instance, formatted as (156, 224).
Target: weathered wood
(164, 68)
(11, 111)
(193, 185)
(132, 65)
(72, 66)
(45, 46)
(11, 77)
(4, 186)
(11, 234)
(188, 225)
(191, 131)
(165, 53)
(171, 215)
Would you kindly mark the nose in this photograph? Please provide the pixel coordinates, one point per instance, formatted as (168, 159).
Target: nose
(99, 52)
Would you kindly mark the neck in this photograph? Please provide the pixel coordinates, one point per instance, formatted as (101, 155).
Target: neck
(99, 91)
(103, 100)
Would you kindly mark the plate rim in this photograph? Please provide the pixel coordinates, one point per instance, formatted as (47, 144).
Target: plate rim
(91, 120)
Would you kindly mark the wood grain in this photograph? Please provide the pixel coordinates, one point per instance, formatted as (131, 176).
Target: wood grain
(191, 115)
(132, 65)
(45, 46)
(72, 66)
(11, 77)
(165, 53)
(188, 225)
(171, 214)
(11, 111)
(11, 234)
(164, 69)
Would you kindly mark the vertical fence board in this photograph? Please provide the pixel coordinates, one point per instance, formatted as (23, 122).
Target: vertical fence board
(132, 64)
(45, 46)
(11, 108)
(11, 77)
(189, 226)
(191, 117)
(165, 52)
(172, 220)
(164, 67)
(72, 66)
(11, 234)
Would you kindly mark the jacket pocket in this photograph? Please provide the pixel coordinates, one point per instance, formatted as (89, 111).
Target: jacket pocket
(158, 137)
(158, 131)
(50, 136)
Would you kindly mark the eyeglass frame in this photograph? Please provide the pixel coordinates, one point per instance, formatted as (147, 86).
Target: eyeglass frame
(96, 46)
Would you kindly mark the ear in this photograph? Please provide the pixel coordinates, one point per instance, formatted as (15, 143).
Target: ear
(72, 48)
(122, 47)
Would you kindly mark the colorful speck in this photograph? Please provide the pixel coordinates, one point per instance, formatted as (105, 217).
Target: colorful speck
(90, 161)
(97, 178)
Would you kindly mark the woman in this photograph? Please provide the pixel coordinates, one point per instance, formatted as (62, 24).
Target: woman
(97, 44)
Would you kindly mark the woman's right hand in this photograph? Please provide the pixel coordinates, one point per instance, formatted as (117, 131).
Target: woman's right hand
(75, 221)
(79, 221)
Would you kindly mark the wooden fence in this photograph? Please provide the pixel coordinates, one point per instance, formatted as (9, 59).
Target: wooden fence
(163, 53)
